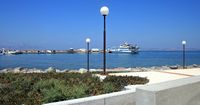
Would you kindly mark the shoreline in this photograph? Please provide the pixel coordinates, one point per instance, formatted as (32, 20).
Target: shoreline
(83, 70)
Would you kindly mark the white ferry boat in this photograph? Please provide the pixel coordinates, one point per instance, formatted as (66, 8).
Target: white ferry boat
(125, 48)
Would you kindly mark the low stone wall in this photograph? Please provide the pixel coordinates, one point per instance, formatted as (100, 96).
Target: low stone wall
(178, 92)
(127, 97)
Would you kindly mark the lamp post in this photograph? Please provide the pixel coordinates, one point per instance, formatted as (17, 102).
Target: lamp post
(104, 11)
(88, 42)
(183, 43)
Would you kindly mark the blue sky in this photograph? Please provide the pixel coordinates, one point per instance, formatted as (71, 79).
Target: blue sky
(64, 24)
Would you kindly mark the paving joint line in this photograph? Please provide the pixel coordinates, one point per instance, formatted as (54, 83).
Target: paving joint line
(175, 73)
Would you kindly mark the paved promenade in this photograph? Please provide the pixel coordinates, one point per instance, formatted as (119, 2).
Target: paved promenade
(159, 76)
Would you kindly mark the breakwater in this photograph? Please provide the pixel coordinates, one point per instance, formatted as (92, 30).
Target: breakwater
(82, 70)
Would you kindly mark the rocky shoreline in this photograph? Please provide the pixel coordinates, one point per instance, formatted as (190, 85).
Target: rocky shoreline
(82, 70)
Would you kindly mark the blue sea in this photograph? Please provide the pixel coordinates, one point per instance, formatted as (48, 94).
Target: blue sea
(77, 61)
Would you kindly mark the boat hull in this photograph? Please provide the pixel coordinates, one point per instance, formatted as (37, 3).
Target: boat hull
(127, 51)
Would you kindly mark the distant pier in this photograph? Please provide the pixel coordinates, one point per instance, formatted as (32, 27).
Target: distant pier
(69, 51)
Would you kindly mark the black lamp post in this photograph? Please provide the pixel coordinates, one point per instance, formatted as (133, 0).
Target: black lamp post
(104, 11)
(184, 43)
(88, 49)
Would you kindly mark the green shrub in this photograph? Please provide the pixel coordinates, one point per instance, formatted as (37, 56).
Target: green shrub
(49, 90)
(39, 88)
(77, 91)
(55, 90)
(121, 81)
(109, 87)
(15, 93)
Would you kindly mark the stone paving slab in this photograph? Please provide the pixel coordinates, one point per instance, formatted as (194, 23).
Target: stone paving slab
(194, 72)
(164, 75)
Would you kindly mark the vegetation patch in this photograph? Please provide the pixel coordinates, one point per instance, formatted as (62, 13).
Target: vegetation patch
(39, 88)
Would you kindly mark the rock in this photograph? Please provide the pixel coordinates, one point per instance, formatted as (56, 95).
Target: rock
(4, 71)
(194, 65)
(82, 70)
(101, 77)
(26, 70)
(153, 68)
(72, 71)
(17, 70)
(61, 71)
(65, 70)
(173, 67)
(21, 68)
(164, 68)
(144, 69)
(92, 70)
(51, 70)
(34, 70)
(128, 69)
(58, 71)
(136, 69)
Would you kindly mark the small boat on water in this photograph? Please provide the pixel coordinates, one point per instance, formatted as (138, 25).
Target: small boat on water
(11, 52)
(125, 48)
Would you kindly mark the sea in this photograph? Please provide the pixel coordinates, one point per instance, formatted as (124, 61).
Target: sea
(114, 60)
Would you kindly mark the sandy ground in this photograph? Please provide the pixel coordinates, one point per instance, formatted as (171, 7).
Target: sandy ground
(163, 75)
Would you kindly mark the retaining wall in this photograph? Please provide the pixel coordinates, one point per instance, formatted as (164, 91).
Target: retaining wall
(178, 92)
(117, 98)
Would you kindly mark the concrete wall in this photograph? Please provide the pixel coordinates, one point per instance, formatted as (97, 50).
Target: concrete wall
(118, 98)
(178, 92)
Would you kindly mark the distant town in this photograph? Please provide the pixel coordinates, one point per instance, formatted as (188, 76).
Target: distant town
(123, 48)
(70, 51)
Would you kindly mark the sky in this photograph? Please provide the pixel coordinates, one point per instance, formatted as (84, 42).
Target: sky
(64, 24)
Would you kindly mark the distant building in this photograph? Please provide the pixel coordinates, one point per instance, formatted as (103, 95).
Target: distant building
(71, 51)
(95, 50)
(82, 50)
(48, 51)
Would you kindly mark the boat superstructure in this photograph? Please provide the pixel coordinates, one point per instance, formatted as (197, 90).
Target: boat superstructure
(125, 48)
